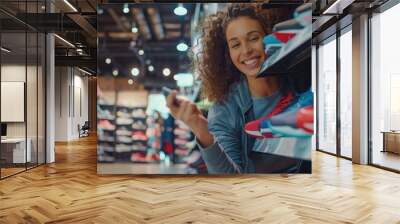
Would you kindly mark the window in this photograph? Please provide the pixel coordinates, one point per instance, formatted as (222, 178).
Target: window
(385, 88)
(346, 93)
(327, 96)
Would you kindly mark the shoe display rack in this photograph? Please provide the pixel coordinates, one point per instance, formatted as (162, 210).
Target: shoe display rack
(121, 132)
(182, 137)
(105, 131)
(291, 43)
(130, 133)
(139, 138)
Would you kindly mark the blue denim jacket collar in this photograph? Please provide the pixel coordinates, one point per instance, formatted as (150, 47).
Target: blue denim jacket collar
(241, 95)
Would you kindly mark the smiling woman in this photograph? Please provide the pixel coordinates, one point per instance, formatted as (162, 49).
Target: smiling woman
(232, 55)
(224, 35)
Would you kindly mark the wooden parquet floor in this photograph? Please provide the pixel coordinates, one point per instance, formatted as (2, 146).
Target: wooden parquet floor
(70, 191)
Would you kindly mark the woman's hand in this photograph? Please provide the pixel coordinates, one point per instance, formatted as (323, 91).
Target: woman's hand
(187, 112)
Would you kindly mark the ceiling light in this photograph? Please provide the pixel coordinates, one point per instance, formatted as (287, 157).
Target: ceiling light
(79, 50)
(100, 11)
(166, 72)
(115, 72)
(135, 29)
(148, 62)
(180, 10)
(70, 5)
(130, 81)
(126, 9)
(65, 41)
(108, 61)
(151, 68)
(135, 71)
(182, 46)
(141, 52)
(5, 50)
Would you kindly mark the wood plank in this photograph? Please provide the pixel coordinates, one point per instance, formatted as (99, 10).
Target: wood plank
(70, 191)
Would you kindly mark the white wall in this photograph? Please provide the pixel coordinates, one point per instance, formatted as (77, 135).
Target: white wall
(16, 73)
(70, 83)
(61, 103)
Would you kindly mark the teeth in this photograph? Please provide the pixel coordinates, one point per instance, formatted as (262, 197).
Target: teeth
(249, 62)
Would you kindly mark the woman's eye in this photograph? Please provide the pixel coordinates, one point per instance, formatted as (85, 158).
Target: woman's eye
(235, 46)
(254, 39)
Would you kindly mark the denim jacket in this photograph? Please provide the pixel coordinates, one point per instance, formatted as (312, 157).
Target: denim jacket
(232, 146)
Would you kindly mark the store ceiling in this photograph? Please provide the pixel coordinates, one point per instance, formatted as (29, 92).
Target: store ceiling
(159, 32)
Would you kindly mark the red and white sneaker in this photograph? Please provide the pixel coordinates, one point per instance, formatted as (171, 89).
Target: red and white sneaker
(305, 119)
(253, 127)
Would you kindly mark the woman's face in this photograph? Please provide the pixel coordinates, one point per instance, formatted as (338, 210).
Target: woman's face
(244, 36)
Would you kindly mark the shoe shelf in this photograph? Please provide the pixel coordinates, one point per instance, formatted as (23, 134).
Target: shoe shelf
(291, 57)
(182, 136)
(106, 127)
(139, 146)
(125, 144)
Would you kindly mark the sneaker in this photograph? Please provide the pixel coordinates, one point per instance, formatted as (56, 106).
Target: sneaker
(272, 44)
(181, 142)
(153, 157)
(105, 148)
(123, 148)
(123, 131)
(182, 133)
(124, 139)
(102, 101)
(181, 152)
(253, 127)
(106, 138)
(105, 158)
(124, 121)
(303, 14)
(284, 32)
(105, 125)
(280, 130)
(138, 157)
(123, 114)
(104, 114)
(139, 147)
(291, 26)
(284, 37)
(295, 123)
(139, 125)
(305, 119)
(139, 136)
(139, 113)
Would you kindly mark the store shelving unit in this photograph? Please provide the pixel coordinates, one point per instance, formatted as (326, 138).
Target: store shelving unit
(106, 133)
(118, 132)
(182, 136)
(123, 140)
(292, 57)
(139, 126)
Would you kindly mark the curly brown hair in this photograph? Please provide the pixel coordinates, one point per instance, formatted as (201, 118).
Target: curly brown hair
(213, 63)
